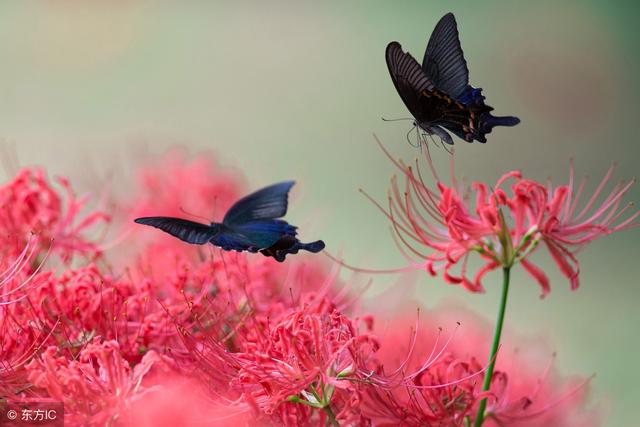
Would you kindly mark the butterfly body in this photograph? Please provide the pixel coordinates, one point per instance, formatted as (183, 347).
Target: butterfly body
(251, 225)
(437, 93)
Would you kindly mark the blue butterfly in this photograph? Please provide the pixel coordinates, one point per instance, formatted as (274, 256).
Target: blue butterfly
(251, 225)
(438, 93)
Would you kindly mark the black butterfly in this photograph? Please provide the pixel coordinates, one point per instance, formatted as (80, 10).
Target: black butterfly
(438, 93)
(249, 225)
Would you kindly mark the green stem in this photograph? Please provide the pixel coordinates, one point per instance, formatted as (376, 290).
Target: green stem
(494, 347)
(331, 416)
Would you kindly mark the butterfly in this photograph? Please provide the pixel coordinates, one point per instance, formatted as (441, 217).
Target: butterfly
(438, 93)
(251, 224)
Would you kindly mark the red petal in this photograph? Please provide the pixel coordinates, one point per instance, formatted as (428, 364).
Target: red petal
(490, 266)
(560, 256)
(538, 275)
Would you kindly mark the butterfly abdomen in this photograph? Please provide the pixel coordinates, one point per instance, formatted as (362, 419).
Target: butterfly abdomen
(313, 247)
(290, 245)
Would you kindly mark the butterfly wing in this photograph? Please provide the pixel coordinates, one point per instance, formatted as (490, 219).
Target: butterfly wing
(188, 231)
(408, 77)
(268, 203)
(264, 233)
(254, 235)
(444, 61)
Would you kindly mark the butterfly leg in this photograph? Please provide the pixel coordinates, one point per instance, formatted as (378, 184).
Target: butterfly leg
(417, 144)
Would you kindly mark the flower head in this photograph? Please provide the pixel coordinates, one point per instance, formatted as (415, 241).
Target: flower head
(307, 358)
(30, 204)
(441, 226)
(98, 387)
(288, 355)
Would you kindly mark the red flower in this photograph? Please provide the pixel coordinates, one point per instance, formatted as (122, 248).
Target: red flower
(20, 274)
(430, 383)
(503, 227)
(289, 357)
(307, 357)
(30, 204)
(566, 227)
(99, 387)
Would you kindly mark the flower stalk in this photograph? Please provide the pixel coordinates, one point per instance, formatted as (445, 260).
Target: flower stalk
(496, 344)
(331, 416)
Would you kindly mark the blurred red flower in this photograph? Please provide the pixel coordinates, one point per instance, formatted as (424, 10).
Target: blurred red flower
(31, 204)
(446, 385)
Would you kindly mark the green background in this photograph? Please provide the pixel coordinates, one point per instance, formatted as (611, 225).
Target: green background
(296, 90)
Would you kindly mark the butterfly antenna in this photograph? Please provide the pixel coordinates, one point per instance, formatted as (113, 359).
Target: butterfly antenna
(396, 120)
(194, 215)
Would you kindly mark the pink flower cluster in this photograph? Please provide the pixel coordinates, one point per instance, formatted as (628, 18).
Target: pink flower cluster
(447, 384)
(174, 334)
(30, 204)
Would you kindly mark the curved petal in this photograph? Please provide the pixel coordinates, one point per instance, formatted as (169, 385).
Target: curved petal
(538, 275)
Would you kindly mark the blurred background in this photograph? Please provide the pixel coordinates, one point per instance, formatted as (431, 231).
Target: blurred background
(297, 89)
